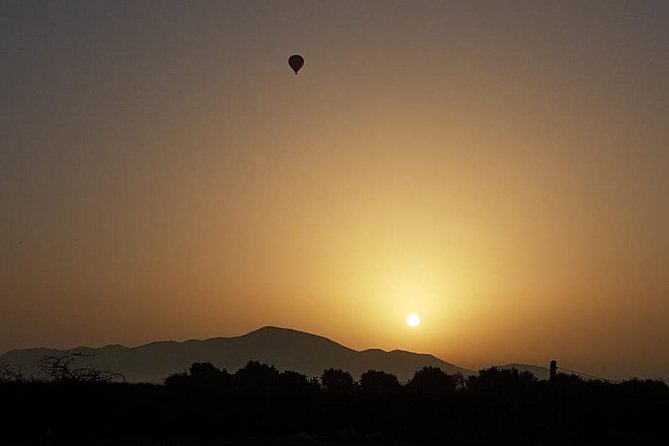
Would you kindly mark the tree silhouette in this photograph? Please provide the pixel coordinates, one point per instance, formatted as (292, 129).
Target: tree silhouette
(256, 377)
(177, 379)
(260, 402)
(200, 374)
(61, 369)
(337, 381)
(494, 379)
(294, 383)
(7, 373)
(432, 381)
(207, 372)
(376, 382)
(253, 378)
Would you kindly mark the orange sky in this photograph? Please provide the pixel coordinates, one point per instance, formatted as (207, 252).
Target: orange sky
(501, 170)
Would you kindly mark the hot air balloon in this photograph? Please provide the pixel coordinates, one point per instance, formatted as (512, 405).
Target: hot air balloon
(296, 61)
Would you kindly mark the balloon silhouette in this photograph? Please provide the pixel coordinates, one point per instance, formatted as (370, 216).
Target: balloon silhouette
(296, 61)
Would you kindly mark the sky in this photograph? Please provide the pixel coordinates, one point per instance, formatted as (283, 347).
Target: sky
(500, 168)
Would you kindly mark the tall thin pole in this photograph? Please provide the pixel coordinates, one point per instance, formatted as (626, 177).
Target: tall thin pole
(553, 370)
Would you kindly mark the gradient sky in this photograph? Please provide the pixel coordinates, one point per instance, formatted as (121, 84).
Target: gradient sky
(501, 168)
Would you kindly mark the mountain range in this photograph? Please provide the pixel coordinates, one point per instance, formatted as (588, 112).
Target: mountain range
(284, 348)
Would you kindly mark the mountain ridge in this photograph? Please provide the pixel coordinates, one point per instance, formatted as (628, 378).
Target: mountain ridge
(285, 348)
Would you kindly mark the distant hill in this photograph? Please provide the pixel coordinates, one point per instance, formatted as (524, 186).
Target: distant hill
(286, 349)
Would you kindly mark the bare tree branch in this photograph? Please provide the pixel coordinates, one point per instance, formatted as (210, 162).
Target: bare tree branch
(61, 369)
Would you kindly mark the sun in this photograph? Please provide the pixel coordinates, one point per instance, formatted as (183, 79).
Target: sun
(413, 320)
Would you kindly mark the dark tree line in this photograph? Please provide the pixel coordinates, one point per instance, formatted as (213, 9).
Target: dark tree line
(251, 379)
(259, 401)
(255, 377)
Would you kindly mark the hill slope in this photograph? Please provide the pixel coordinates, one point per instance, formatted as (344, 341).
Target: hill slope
(286, 349)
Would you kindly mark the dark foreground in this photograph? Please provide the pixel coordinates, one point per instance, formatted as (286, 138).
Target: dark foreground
(262, 408)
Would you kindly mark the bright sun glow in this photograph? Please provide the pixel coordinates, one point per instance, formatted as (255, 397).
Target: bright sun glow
(413, 320)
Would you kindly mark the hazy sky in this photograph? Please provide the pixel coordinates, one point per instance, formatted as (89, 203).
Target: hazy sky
(501, 168)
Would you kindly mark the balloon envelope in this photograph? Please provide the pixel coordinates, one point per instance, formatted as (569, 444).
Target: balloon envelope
(295, 61)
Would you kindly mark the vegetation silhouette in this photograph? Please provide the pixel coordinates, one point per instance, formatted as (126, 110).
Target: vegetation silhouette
(374, 382)
(8, 373)
(62, 369)
(337, 381)
(259, 404)
(434, 382)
